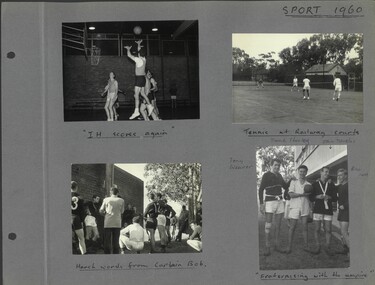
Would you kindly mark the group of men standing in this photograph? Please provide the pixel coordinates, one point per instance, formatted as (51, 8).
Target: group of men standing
(121, 228)
(297, 200)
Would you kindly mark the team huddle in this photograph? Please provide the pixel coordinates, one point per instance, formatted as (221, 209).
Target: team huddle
(296, 202)
(306, 87)
(109, 226)
(145, 86)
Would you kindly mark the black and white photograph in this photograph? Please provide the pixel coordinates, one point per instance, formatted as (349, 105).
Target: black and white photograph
(138, 208)
(297, 78)
(303, 207)
(146, 70)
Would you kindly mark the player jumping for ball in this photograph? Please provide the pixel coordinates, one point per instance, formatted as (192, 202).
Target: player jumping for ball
(140, 80)
(338, 88)
(306, 87)
(295, 83)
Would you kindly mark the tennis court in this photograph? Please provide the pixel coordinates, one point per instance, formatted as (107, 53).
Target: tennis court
(275, 103)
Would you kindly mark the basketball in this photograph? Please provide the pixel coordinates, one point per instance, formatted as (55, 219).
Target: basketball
(308, 188)
(137, 30)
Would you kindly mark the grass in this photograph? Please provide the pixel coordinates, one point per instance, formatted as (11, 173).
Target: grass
(276, 103)
(299, 259)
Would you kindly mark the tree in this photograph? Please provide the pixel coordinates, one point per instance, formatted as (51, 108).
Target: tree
(265, 155)
(322, 49)
(176, 181)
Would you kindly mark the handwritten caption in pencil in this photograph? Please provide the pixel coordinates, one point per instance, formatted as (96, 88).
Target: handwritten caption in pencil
(317, 11)
(94, 266)
(121, 134)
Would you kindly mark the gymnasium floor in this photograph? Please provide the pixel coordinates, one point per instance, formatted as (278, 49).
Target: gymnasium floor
(277, 104)
(166, 113)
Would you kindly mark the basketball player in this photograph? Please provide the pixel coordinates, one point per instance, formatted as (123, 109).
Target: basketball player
(299, 207)
(338, 88)
(273, 205)
(150, 214)
(343, 204)
(140, 80)
(111, 89)
(295, 83)
(323, 194)
(78, 216)
(150, 88)
(306, 87)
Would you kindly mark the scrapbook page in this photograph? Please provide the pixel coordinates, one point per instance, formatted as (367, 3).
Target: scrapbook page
(198, 142)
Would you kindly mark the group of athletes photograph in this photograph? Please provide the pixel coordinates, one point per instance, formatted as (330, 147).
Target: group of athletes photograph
(144, 89)
(304, 216)
(106, 225)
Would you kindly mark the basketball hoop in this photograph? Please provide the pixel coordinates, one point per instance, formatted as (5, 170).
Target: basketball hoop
(95, 55)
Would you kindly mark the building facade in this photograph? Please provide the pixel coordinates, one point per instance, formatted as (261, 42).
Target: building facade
(317, 156)
(97, 179)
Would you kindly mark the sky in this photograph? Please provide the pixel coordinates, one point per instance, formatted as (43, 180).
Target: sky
(137, 169)
(255, 44)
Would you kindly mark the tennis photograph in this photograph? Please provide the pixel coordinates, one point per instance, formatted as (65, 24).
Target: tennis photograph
(297, 78)
(116, 71)
(303, 207)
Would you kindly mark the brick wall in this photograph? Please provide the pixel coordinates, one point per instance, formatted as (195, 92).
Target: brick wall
(82, 80)
(131, 188)
(91, 181)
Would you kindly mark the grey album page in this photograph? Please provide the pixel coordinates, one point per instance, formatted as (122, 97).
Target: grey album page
(201, 142)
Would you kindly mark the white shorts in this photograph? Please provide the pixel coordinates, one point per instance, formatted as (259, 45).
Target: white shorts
(338, 88)
(111, 96)
(321, 217)
(296, 213)
(295, 84)
(275, 207)
(131, 244)
(162, 220)
(306, 87)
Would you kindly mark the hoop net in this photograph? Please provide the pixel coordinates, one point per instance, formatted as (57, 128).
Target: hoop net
(95, 55)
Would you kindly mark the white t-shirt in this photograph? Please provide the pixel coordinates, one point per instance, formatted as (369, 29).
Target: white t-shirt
(298, 188)
(306, 82)
(113, 207)
(295, 81)
(135, 232)
(337, 82)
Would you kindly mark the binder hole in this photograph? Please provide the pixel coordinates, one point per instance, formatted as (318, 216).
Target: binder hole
(11, 54)
(12, 236)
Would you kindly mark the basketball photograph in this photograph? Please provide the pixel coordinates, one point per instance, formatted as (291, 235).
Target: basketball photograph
(120, 71)
(303, 207)
(136, 208)
(297, 78)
